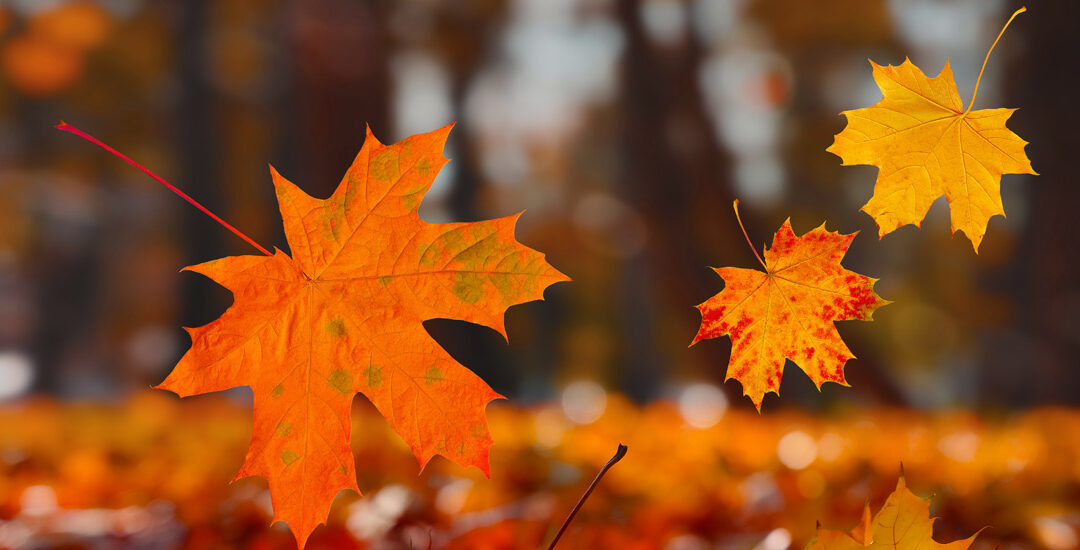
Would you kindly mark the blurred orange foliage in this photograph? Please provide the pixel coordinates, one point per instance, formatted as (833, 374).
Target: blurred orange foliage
(155, 467)
(50, 54)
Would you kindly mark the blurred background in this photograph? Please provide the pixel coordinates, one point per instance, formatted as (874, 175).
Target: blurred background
(624, 128)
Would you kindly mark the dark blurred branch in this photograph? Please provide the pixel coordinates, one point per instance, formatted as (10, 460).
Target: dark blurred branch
(341, 66)
(1046, 267)
(199, 161)
(676, 174)
(620, 452)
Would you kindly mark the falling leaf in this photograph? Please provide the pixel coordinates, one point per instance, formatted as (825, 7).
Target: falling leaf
(903, 523)
(925, 144)
(787, 311)
(343, 314)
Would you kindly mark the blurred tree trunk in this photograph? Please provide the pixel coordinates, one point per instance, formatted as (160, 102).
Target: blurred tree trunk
(1041, 366)
(678, 177)
(199, 162)
(340, 64)
(64, 269)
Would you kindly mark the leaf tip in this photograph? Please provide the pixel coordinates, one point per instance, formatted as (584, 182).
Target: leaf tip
(697, 338)
(975, 242)
(166, 386)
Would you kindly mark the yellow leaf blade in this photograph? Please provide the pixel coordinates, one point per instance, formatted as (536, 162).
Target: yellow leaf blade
(903, 523)
(926, 146)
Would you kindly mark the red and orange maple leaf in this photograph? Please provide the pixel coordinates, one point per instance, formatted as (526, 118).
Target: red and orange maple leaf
(343, 314)
(787, 311)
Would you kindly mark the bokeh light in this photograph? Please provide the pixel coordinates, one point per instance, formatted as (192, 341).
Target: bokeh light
(583, 401)
(796, 450)
(16, 374)
(702, 405)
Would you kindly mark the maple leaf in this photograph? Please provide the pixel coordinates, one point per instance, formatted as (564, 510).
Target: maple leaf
(903, 523)
(343, 314)
(925, 144)
(787, 311)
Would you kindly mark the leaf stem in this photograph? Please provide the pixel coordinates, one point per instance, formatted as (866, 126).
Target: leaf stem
(752, 249)
(619, 453)
(974, 93)
(69, 128)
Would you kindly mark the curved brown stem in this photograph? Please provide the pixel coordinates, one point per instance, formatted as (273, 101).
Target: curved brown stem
(619, 453)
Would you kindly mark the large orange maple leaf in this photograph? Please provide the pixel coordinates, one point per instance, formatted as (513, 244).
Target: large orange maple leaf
(925, 144)
(787, 311)
(343, 314)
(903, 523)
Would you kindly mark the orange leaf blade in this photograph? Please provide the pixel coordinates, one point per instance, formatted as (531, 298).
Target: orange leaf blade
(788, 312)
(344, 315)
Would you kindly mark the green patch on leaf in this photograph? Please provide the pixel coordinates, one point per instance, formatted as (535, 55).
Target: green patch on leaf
(428, 254)
(423, 166)
(283, 429)
(373, 376)
(453, 240)
(288, 457)
(433, 375)
(277, 391)
(468, 287)
(384, 166)
(336, 327)
(341, 381)
(483, 247)
(504, 283)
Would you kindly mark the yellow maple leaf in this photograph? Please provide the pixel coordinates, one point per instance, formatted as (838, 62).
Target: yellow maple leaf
(903, 523)
(926, 144)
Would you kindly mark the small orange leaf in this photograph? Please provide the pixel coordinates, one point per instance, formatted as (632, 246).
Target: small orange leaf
(343, 314)
(787, 311)
(903, 523)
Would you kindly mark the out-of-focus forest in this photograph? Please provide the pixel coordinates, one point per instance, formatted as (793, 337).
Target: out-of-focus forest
(624, 129)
